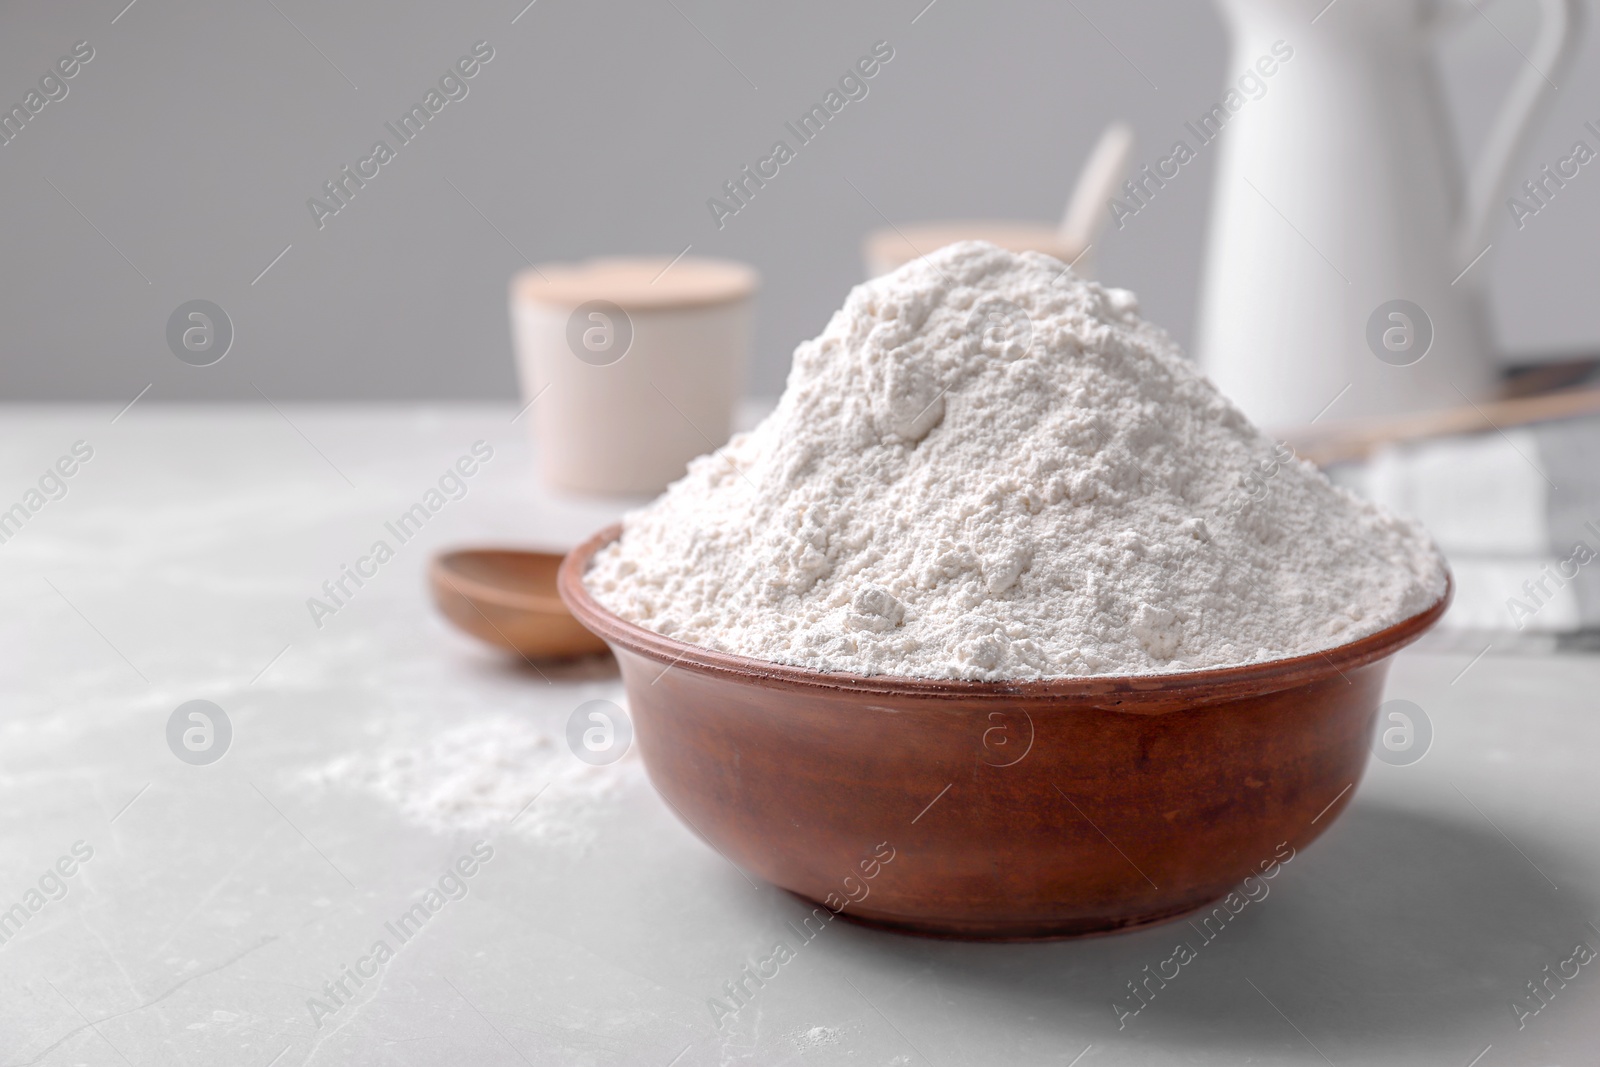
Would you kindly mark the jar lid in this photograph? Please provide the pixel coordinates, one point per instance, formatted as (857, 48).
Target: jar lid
(891, 248)
(636, 283)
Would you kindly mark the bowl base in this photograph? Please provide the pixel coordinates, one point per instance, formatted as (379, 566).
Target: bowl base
(1021, 931)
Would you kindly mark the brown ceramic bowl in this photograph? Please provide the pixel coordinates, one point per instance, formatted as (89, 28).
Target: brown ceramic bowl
(1011, 811)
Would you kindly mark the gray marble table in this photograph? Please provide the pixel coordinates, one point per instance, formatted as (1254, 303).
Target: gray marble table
(174, 913)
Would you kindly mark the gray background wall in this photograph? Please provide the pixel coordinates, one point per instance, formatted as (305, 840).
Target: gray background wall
(194, 137)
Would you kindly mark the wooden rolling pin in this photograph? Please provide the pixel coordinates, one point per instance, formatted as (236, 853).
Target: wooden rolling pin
(1355, 441)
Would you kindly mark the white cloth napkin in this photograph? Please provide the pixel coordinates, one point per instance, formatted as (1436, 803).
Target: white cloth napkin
(1517, 514)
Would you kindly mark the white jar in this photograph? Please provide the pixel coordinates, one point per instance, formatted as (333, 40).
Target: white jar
(635, 366)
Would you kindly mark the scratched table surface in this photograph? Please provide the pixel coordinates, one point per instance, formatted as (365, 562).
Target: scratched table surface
(168, 912)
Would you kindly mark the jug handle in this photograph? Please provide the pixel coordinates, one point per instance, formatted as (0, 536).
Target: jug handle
(1551, 56)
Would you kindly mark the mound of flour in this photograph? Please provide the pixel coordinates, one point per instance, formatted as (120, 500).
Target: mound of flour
(987, 468)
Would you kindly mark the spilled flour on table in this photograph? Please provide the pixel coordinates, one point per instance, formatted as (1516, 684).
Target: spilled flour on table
(482, 775)
(816, 1037)
(988, 468)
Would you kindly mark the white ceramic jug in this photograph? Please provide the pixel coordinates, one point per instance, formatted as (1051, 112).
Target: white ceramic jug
(1341, 222)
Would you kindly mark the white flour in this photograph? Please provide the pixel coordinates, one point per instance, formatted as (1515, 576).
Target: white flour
(495, 775)
(987, 468)
(814, 1038)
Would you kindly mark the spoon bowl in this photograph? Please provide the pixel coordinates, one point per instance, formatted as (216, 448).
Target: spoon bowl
(507, 598)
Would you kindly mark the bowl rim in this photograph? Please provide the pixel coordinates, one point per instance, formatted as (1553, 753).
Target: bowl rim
(1144, 693)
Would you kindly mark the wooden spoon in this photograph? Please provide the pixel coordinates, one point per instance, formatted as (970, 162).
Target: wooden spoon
(507, 598)
(1107, 165)
(1323, 445)
(1070, 241)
